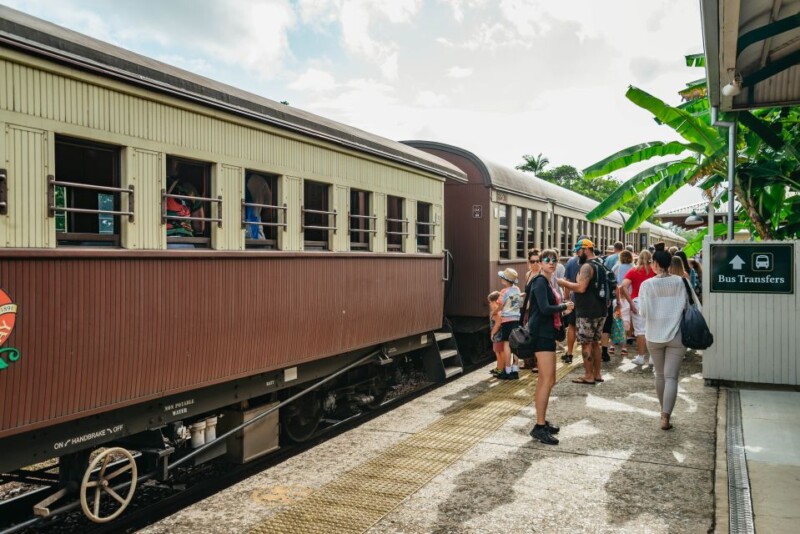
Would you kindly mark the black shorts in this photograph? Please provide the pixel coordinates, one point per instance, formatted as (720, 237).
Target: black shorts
(609, 320)
(568, 319)
(506, 328)
(545, 344)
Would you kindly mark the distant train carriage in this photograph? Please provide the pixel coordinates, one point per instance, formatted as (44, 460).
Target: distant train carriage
(173, 250)
(500, 213)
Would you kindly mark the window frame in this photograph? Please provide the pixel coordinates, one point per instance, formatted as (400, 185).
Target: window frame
(274, 181)
(330, 229)
(402, 222)
(429, 225)
(207, 202)
(367, 222)
(502, 213)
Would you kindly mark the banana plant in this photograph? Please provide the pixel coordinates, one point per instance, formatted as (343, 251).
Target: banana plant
(766, 181)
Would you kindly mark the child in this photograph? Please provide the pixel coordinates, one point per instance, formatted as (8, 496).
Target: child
(494, 323)
(510, 297)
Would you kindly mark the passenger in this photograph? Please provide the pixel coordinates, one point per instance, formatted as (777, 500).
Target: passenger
(698, 287)
(688, 268)
(612, 260)
(571, 275)
(676, 268)
(624, 265)
(494, 332)
(590, 312)
(533, 271)
(182, 207)
(257, 192)
(629, 291)
(661, 302)
(673, 250)
(545, 321)
(510, 297)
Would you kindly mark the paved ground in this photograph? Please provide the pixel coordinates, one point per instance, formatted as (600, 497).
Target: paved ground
(614, 471)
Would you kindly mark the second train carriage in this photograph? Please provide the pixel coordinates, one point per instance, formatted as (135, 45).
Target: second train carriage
(498, 214)
(129, 317)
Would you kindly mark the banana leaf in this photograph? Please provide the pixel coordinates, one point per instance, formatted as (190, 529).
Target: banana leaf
(687, 126)
(638, 183)
(696, 107)
(654, 198)
(638, 153)
(765, 131)
(696, 60)
(695, 244)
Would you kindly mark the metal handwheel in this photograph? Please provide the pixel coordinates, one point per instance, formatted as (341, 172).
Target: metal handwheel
(103, 484)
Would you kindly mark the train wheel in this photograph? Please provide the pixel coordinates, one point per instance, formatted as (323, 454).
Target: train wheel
(301, 418)
(97, 487)
(378, 389)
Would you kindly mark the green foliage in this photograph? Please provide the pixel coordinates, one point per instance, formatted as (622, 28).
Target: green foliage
(598, 189)
(534, 164)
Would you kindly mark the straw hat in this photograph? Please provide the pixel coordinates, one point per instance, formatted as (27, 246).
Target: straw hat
(509, 275)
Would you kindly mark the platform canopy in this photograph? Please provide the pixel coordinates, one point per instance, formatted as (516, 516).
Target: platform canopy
(757, 44)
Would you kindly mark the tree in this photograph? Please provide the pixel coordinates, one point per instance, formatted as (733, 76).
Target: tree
(766, 183)
(533, 164)
(571, 178)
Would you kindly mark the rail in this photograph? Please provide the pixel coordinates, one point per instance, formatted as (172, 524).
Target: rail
(403, 222)
(371, 219)
(429, 225)
(52, 208)
(305, 226)
(280, 210)
(165, 217)
(3, 192)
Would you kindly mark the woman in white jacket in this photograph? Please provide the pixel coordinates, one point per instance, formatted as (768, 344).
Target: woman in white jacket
(662, 300)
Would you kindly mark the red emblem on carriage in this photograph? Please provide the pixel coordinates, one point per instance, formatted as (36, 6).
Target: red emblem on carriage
(8, 316)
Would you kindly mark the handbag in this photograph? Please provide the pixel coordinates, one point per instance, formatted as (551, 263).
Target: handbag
(694, 330)
(617, 330)
(520, 338)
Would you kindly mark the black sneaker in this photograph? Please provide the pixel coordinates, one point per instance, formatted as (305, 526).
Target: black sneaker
(504, 376)
(542, 434)
(569, 359)
(551, 428)
(513, 375)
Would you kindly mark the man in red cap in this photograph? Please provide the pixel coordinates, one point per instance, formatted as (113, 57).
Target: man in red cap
(591, 310)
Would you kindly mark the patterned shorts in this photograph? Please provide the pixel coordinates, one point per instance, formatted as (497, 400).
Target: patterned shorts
(589, 329)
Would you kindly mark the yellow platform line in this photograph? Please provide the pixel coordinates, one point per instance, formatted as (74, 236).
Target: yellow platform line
(361, 497)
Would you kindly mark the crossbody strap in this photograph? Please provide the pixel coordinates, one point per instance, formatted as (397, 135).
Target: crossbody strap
(689, 299)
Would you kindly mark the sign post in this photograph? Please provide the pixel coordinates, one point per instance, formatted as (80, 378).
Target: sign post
(752, 268)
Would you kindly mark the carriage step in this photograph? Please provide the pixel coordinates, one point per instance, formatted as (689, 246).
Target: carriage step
(452, 371)
(441, 336)
(448, 353)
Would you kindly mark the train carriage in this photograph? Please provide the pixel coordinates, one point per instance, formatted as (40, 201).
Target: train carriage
(173, 249)
(493, 219)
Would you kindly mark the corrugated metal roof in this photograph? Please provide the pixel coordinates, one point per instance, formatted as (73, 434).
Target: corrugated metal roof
(759, 54)
(39, 37)
(523, 184)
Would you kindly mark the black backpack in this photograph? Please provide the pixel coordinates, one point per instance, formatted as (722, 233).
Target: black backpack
(605, 281)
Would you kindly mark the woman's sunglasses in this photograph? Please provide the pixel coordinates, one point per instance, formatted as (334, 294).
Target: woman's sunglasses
(549, 260)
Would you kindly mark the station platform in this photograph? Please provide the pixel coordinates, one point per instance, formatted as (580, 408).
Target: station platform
(460, 459)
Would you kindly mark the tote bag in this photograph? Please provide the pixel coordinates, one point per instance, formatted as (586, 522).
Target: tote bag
(694, 330)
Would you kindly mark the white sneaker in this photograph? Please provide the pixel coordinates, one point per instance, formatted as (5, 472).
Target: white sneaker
(638, 360)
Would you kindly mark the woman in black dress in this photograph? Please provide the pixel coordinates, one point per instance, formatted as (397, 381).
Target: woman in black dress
(543, 323)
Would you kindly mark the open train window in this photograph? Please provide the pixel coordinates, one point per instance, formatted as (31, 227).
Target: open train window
(318, 219)
(362, 222)
(520, 232)
(425, 227)
(503, 219)
(396, 223)
(84, 196)
(566, 236)
(262, 216)
(186, 204)
(530, 231)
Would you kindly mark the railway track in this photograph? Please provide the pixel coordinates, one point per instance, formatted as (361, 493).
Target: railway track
(154, 501)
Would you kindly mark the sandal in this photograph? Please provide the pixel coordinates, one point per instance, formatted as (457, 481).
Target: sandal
(624, 351)
(581, 380)
(599, 380)
(611, 350)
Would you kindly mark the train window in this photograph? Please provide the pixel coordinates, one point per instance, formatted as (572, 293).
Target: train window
(520, 232)
(530, 231)
(261, 215)
(503, 218)
(396, 223)
(186, 204)
(426, 227)
(566, 236)
(84, 196)
(318, 219)
(362, 223)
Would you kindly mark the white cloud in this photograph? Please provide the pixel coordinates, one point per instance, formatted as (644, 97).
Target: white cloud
(429, 99)
(459, 72)
(314, 80)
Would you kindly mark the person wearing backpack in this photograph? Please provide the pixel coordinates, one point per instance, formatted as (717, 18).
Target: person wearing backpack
(662, 300)
(606, 285)
(591, 309)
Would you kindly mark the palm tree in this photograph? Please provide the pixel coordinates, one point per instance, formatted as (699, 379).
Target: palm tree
(533, 164)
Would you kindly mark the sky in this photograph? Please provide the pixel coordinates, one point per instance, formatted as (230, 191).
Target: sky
(501, 78)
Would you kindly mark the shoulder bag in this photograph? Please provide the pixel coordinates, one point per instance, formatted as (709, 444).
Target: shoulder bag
(694, 330)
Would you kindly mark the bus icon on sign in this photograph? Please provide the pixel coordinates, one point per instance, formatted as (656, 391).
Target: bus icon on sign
(762, 262)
